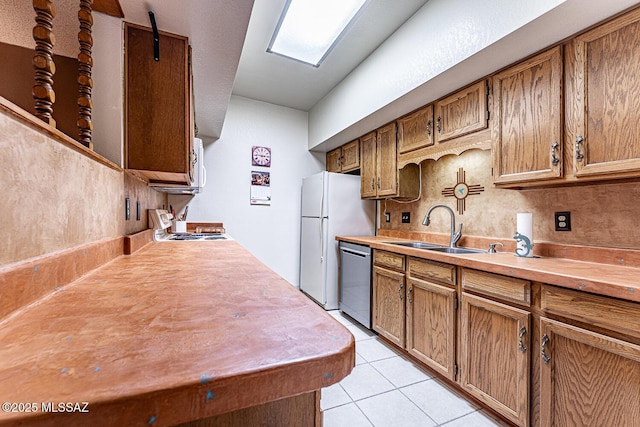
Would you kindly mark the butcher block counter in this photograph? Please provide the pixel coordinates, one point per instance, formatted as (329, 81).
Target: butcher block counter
(178, 331)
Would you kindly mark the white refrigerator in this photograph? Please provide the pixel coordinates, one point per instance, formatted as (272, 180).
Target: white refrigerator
(331, 206)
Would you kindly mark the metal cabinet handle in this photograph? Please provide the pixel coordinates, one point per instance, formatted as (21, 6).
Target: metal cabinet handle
(521, 335)
(579, 152)
(409, 291)
(438, 120)
(554, 158)
(545, 341)
(429, 126)
(400, 288)
(378, 183)
(373, 183)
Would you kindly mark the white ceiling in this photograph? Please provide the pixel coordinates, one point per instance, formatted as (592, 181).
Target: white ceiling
(272, 78)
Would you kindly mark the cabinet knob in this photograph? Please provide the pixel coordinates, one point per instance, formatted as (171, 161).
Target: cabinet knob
(545, 341)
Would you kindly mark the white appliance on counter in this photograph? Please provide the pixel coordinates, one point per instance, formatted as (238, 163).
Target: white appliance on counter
(331, 206)
(160, 220)
(199, 174)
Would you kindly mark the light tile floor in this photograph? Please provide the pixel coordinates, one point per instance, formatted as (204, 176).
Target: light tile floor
(385, 389)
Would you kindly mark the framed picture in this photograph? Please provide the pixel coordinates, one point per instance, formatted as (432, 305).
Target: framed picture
(260, 156)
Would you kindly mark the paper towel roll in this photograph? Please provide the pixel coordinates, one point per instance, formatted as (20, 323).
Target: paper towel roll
(524, 227)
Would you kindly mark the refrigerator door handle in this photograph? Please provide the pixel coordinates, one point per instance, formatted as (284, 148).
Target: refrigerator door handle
(322, 240)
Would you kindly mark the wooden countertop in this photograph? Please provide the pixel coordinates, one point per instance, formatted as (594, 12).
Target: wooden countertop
(175, 332)
(603, 279)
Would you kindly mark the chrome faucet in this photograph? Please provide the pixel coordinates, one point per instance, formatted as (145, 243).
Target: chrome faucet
(454, 236)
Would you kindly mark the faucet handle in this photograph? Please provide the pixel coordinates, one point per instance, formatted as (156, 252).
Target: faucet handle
(456, 236)
(492, 247)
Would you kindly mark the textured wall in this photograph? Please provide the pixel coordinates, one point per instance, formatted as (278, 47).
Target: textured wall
(601, 215)
(53, 198)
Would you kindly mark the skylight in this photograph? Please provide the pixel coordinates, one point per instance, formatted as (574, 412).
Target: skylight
(309, 29)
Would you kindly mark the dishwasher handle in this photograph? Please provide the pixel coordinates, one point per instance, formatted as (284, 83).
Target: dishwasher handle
(356, 253)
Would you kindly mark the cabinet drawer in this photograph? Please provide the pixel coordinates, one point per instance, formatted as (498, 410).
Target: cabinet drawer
(388, 259)
(605, 312)
(503, 287)
(444, 273)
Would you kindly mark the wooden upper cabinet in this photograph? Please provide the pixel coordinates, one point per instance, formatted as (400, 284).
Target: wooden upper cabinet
(416, 130)
(334, 159)
(528, 123)
(368, 172)
(607, 85)
(461, 113)
(345, 158)
(379, 173)
(158, 131)
(350, 159)
(387, 168)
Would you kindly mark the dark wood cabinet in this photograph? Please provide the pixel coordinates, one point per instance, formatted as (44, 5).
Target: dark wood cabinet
(158, 129)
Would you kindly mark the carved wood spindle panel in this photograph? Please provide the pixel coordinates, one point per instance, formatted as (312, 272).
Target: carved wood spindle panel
(85, 82)
(43, 64)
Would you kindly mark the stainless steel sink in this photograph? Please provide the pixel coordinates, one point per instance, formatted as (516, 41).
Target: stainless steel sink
(419, 245)
(448, 250)
(437, 248)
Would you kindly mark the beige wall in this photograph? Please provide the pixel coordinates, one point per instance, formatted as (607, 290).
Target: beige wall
(53, 198)
(601, 215)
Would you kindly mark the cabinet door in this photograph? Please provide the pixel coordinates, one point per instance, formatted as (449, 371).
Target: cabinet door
(388, 304)
(368, 171)
(334, 159)
(431, 325)
(527, 127)
(350, 156)
(158, 129)
(387, 162)
(608, 93)
(494, 356)
(462, 113)
(416, 130)
(587, 379)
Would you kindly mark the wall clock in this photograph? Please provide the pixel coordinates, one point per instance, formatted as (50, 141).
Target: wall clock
(261, 156)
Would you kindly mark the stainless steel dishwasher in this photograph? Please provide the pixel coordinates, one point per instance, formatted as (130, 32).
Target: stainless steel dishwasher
(355, 282)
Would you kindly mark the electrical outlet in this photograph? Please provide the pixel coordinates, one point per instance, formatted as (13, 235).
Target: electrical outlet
(127, 209)
(563, 221)
(387, 216)
(406, 217)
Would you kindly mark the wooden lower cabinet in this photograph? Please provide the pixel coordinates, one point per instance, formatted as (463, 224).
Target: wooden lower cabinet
(431, 325)
(494, 356)
(586, 378)
(388, 304)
